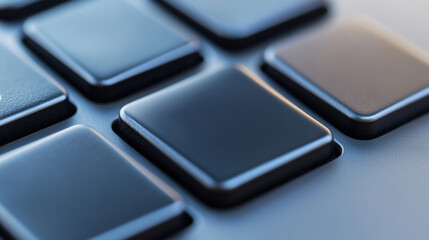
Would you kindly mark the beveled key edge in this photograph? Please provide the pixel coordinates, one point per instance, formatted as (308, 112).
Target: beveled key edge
(122, 84)
(362, 127)
(37, 117)
(241, 187)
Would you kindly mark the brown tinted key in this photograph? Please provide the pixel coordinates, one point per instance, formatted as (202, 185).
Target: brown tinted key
(358, 75)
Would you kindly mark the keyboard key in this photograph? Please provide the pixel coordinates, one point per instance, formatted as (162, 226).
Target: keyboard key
(29, 100)
(238, 23)
(77, 185)
(360, 77)
(14, 9)
(108, 48)
(225, 134)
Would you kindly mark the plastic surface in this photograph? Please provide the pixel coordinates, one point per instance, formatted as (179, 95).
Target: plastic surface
(229, 132)
(358, 75)
(377, 189)
(108, 48)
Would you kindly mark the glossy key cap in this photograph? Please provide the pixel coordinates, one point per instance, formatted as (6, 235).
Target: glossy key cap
(359, 76)
(225, 134)
(238, 23)
(29, 99)
(14, 9)
(77, 185)
(108, 48)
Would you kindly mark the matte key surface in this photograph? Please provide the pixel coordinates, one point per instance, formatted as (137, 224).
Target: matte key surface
(359, 76)
(76, 185)
(108, 48)
(13, 9)
(225, 134)
(237, 23)
(29, 99)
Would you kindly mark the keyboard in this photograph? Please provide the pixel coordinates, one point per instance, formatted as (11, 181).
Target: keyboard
(194, 119)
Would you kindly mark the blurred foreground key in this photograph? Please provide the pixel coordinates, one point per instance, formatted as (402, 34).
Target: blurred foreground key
(77, 185)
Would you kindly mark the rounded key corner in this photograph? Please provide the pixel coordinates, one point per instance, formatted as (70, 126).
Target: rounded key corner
(273, 65)
(272, 59)
(72, 109)
(362, 132)
(124, 117)
(232, 37)
(194, 42)
(81, 128)
(338, 149)
(222, 194)
(177, 207)
(216, 188)
(222, 197)
(364, 119)
(335, 146)
(329, 137)
(270, 56)
(29, 28)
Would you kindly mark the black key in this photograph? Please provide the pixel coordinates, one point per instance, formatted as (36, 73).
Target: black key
(225, 134)
(14, 9)
(77, 185)
(108, 48)
(29, 99)
(239, 23)
(362, 78)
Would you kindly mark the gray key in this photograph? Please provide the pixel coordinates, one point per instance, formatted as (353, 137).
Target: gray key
(226, 135)
(29, 99)
(77, 185)
(108, 48)
(362, 78)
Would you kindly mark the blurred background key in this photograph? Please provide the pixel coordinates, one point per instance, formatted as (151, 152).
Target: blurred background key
(238, 23)
(14, 9)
